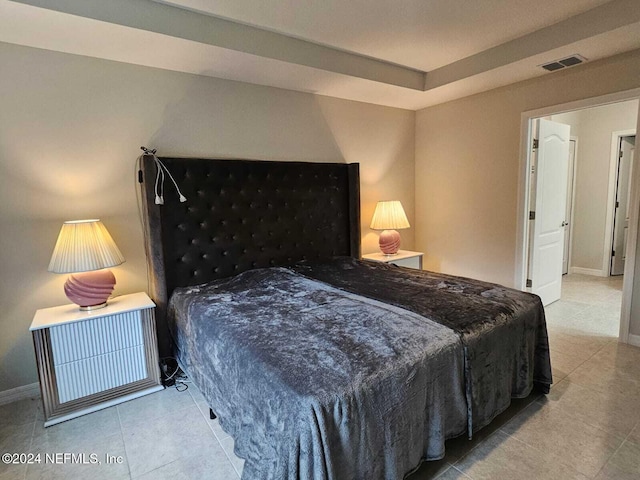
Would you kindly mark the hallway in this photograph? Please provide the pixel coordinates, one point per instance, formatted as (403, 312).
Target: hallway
(586, 318)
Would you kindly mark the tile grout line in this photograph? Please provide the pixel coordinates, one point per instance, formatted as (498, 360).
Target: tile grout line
(608, 432)
(458, 470)
(138, 420)
(567, 379)
(123, 442)
(537, 449)
(452, 466)
(206, 418)
(449, 467)
(597, 427)
(616, 451)
(33, 433)
(476, 446)
(229, 460)
(206, 421)
(585, 423)
(588, 309)
(579, 365)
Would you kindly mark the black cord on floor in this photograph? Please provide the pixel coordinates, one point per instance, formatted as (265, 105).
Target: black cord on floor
(172, 374)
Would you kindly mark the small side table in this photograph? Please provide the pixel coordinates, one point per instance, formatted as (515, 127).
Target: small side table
(92, 360)
(404, 258)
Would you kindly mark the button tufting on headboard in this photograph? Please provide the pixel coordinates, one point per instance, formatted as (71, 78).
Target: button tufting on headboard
(247, 214)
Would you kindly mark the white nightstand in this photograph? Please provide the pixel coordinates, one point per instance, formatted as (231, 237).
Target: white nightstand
(92, 360)
(404, 258)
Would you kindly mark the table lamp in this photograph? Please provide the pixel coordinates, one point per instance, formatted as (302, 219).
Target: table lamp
(389, 216)
(85, 249)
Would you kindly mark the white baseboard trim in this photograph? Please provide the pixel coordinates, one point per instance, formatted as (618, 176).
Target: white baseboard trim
(20, 393)
(588, 271)
(634, 340)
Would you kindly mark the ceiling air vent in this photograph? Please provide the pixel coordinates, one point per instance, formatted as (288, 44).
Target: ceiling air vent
(565, 62)
(553, 66)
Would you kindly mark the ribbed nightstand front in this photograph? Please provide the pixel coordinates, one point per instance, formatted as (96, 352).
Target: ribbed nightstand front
(92, 360)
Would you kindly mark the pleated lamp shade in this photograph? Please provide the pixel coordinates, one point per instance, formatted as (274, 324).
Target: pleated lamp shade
(82, 246)
(86, 249)
(389, 216)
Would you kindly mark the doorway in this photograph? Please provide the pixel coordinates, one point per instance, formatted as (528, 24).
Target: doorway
(624, 156)
(566, 258)
(599, 266)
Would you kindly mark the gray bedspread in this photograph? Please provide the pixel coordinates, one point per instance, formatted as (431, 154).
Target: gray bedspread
(503, 330)
(314, 382)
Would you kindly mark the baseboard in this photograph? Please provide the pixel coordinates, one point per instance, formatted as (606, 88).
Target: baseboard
(588, 271)
(19, 393)
(634, 340)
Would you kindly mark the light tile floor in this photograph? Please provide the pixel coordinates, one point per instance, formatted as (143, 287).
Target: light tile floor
(588, 427)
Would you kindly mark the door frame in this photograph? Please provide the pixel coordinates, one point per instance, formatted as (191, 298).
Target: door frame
(572, 207)
(613, 190)
(524, 187)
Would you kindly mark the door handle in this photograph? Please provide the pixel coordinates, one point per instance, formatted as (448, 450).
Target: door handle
(564, 224)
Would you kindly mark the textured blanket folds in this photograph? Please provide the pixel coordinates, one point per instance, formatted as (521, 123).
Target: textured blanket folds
(503, 330)
(314, 382)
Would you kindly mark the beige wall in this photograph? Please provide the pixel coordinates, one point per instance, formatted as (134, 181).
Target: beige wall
(467, 166)
(70, 131)
(594, 128)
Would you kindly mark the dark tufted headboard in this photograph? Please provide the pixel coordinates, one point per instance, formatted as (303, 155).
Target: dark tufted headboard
(244, 214)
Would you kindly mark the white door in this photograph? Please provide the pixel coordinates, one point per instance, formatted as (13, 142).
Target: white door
(550, 203)
(567, 217)
(621, 217)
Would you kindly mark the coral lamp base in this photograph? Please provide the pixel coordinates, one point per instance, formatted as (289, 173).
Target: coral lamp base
(389, 242)
(90, 290)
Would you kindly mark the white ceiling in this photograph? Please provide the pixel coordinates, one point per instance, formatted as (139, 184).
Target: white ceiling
(408, 54)
(422, 34)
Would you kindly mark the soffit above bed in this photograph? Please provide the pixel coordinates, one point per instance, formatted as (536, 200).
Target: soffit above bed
(408, 55)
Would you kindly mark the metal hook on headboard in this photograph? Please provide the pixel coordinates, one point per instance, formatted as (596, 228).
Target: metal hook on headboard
(160, 176)
(148, 151)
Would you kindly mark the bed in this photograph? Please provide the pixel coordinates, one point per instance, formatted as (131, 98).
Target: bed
(320, 365)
